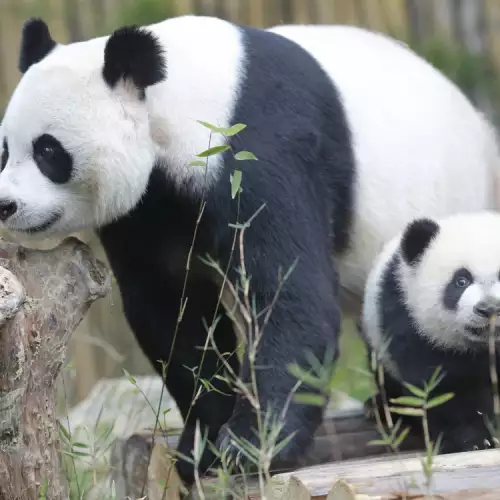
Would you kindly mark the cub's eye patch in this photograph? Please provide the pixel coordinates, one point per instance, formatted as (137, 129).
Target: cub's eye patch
(461, 279)
(52, 159)
(5, 155)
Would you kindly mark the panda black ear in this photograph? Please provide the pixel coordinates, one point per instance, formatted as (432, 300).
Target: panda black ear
(36, 43)
(416, 238)
(132, 53)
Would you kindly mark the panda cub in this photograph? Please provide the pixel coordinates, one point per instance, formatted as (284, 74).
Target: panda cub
(428, 302)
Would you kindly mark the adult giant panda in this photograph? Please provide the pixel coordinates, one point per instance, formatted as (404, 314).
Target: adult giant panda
(429, 299)
(354, 135)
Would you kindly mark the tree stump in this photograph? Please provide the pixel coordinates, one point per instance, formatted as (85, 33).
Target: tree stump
(44, 294)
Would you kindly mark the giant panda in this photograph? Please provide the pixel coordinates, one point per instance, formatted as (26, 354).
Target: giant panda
(429, 299)
(354, 135)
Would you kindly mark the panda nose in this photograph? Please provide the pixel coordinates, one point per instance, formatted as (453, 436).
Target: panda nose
(7, 209)
(487, 307)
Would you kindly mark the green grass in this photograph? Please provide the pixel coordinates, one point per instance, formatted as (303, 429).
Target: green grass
(348, 377)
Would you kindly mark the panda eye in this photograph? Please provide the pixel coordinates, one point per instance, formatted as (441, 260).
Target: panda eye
(462, 281)
(47, 152)
(43, 150)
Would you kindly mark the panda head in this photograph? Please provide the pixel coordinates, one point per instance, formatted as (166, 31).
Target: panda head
(450, 275)
(75, 145)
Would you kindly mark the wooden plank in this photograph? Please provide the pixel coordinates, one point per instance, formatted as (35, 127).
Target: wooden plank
(466, 475)
(183, 7)
(463, 476)
(256, 12)
(300, 12)
(326, 12)
(492, 17)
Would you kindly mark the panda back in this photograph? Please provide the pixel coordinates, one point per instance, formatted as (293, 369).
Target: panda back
(396, 105)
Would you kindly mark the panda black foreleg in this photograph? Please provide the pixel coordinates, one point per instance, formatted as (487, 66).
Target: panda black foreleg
(305, 319)
(153, 317)
(463, 421)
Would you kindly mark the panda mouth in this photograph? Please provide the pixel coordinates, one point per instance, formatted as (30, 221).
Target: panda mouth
(44, 226)
(482, 332)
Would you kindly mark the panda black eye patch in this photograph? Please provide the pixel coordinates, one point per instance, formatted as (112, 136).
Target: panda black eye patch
(52, 159)
(5, 154)
(459, 282)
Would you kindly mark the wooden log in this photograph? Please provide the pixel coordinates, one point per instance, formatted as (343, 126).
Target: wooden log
(339, 444)
(44, 294)
(465, 476)
(344, 434)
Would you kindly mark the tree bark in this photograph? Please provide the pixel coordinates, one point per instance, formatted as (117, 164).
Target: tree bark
(44, 294)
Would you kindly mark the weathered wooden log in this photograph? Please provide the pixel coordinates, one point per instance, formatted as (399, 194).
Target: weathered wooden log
(473, 475)
(44, 294)
(350, 469)
(344, 434)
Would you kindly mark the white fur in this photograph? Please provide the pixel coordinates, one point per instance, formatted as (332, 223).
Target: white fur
(113, 136)
(421, 148)
(468, 240)
(372, 329)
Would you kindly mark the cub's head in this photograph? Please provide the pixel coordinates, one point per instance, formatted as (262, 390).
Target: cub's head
(75, 146)
(450, 273)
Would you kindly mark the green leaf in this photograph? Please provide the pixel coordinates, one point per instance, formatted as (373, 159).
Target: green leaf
(197, 163)
(439, 400)
(309, 399)
(43, 489)
(407, 401)
(378, 442)
(130, 378)
(415, 390)
(213, 151)
(435, 379)
(80, 445)
(401, 437)
(304, 376)
(412, 412)
(244, 155)
(76, 453)
(235, 183)
(211, 127)
(65, 432)
(234, 129)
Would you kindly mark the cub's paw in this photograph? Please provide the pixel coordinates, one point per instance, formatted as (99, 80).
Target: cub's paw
(242, 446)
(464, 438)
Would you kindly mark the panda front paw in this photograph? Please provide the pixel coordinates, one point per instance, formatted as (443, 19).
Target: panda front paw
(242, 448)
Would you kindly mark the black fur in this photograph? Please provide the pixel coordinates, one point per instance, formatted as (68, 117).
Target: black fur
(457, 285)
(5, 154)
(297, 129)
(462, 419)
(416, 238)
(136, 54)
(36, 43)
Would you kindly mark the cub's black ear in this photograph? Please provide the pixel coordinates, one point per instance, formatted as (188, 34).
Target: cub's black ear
(36, 43)
(134, 54)
(416, 238)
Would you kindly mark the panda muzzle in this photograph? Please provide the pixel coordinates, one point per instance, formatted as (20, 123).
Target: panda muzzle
(488, 307)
